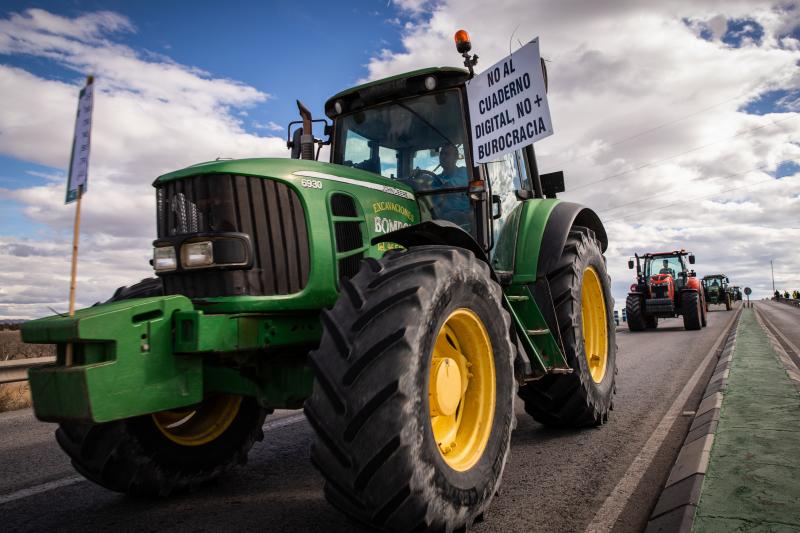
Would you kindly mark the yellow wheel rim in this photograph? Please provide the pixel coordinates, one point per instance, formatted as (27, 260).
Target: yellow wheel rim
(201, 424)
(595, 324)
(461, 389)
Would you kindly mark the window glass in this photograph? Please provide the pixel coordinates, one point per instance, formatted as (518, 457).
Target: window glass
(419, 141)
(664, 265)
(505, 177)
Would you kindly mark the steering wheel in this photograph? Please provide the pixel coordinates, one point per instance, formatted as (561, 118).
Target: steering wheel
(421, 179)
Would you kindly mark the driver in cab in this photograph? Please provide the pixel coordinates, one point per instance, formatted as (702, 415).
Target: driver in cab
(666, 269)
(452, 175)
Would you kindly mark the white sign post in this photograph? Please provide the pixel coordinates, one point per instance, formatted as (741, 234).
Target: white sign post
(508, 105)
(76, 184)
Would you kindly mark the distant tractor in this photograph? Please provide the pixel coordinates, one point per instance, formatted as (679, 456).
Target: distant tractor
(665, 288)
(403, 307)
(737, 293)
(717, 291)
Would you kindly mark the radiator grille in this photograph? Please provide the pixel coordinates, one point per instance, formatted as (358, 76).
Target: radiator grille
(267, 210)
(349, 235)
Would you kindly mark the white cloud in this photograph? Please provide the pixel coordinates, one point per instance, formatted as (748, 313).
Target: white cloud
(152, 115)
(270, 125)
(635, 93)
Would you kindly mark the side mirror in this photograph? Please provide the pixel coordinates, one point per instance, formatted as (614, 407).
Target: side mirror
(691, 258)
(630, 264)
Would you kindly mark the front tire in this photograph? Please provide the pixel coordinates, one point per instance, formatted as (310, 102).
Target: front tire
(148, 456)
(387, 408)
(584, 305)
(692, 314)
(635, 312)
(169, 451)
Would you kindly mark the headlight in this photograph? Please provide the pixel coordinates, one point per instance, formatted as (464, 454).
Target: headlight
(197, 254)
(430, 83)
(164, 259)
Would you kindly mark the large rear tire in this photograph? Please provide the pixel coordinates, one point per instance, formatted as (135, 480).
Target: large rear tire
(651, 321)
(155, 455)
(727, 302)
(584, 308)
(413, 402)
(635, 312)
(692, 313)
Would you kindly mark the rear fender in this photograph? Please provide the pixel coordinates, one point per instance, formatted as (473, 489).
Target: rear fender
(543, 232)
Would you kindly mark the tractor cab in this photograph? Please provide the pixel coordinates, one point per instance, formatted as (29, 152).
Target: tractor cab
(413, 129)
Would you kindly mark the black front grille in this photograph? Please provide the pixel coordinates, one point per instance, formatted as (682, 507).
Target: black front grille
(343, 206)
(348, 234)
(267, 210)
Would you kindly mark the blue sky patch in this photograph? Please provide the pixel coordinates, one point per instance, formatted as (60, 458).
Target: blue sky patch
(777, 101)
(743, 30)
(786, 168)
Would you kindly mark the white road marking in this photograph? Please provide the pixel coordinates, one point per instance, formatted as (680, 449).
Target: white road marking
(38, 489)
(285, 421)
(605, 518)
(57, 484)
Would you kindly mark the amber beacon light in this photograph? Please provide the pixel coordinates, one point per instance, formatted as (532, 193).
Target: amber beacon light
(462, 42)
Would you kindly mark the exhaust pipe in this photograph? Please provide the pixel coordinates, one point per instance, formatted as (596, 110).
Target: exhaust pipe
(307, 137)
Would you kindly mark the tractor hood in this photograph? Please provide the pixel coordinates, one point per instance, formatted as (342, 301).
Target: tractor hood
(291, 169)
(298, 228)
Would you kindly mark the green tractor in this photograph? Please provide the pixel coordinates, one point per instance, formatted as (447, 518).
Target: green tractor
(717, 290)
(404, 309)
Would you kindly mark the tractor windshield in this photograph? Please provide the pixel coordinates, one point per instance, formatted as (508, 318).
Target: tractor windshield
(664, 264)
(419, 141)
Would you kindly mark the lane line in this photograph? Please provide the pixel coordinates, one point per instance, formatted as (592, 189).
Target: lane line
(64, 482)
(606, 517)
(38, 489)
(285, 421)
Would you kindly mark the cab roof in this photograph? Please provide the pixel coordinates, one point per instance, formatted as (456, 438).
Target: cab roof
(662, 254)
(398, 86)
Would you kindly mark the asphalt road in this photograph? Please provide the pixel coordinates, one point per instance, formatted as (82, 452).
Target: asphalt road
(786, 319)
(554, 481)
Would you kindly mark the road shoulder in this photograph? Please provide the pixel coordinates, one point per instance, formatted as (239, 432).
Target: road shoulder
(738, 467)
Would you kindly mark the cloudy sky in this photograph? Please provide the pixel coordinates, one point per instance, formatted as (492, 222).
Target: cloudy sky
(677, 121)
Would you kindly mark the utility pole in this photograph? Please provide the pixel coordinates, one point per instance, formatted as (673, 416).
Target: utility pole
(773, 275)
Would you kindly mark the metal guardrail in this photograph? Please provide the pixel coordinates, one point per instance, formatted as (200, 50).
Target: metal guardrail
(16, 370)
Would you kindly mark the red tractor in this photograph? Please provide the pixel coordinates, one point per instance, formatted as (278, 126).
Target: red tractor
(665, 288)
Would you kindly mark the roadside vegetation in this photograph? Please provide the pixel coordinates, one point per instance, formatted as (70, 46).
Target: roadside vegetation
(17, 395)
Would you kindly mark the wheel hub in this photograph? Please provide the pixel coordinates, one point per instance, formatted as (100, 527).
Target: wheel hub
(445, 392)
(461, 389)
(595, 324)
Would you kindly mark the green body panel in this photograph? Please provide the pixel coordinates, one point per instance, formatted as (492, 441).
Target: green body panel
(532, 223)
(517, 251)
(196, 332)
(125, 365)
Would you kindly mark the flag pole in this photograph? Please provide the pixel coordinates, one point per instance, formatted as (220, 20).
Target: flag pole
(78, 171)
(74, 270)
